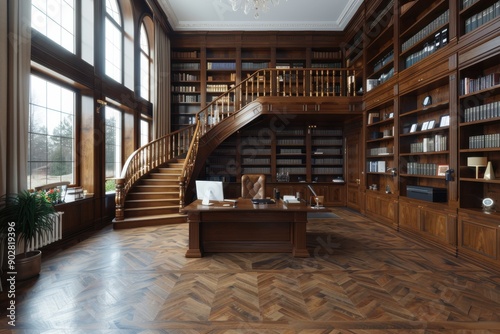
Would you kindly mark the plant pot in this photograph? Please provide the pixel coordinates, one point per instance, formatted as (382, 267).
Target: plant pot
(29, 266)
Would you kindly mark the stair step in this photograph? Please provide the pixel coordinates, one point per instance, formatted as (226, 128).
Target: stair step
(150, 221)
(164, 176)
(151, 211)
(160, 182)
(170, 170)
(153, 202)
(152, 195)
(153, 188)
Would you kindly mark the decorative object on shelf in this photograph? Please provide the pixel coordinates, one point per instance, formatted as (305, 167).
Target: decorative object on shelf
(488, 205)
(259, 6)
(442, 169)
(477, 162)
(427, 101)
(393, 171)
(448, 175)
(431, 124)
(445, 121)
(489, 174)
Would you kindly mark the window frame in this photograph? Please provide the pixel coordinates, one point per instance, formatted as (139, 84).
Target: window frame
(76, 125)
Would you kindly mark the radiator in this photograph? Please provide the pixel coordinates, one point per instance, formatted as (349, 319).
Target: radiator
(46, 238)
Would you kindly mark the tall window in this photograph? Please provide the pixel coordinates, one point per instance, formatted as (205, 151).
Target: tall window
(56, 20)
(51, 133)
(114, 41)
(113, 145)
(144, 132)
(146, 63)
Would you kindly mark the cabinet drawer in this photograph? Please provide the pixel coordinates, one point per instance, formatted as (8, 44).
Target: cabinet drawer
(479, 237)
(409, 216)
(435, 224)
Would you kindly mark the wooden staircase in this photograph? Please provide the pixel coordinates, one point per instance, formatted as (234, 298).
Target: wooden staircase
(154, 199)
(153, 184)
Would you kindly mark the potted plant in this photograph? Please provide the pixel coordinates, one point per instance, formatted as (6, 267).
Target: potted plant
(31, 214)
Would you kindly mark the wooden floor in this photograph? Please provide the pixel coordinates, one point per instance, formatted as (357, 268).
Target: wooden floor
(362, 277)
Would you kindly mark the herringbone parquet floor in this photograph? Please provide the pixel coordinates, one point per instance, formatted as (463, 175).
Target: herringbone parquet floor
(362, 277)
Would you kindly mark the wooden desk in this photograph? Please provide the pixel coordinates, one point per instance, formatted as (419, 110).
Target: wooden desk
(247, 228)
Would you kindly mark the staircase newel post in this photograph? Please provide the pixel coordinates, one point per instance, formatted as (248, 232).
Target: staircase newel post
(119, 200)
(182, 191)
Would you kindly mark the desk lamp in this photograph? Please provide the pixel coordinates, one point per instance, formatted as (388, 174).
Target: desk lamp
(477, 162)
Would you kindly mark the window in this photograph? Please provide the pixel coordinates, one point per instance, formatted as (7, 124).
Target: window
(146, 63)
(114, 41)
(113, 146)
(51, 133)
(56, 20)
(144, 132)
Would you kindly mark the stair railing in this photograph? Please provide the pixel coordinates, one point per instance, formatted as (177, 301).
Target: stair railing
(294, 82)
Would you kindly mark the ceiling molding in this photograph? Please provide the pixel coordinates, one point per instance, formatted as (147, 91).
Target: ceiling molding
(213, 14)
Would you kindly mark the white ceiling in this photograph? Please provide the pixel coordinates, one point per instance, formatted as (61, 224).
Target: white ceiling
(291, 15)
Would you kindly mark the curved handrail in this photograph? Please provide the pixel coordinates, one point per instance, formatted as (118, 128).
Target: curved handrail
(295, 82)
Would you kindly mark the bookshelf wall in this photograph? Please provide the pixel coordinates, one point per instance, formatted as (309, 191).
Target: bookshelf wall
(200, 74)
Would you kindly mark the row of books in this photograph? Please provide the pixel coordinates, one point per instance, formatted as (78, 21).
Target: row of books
(417, 168)
(376, 166)
(428, 29)
(437, 143)
(290, 141)
(333, 151)
(185, 66)
(485, 141)
(184, 89)
(471, 85)
(186, 98)
(484, 111)
(323, 170)
(290, 151)
(327, 141)
(256, 170)
(467, 3)
(254, 161)
(291, 132)
(295, 170)
(254, 66)
(326, 132)
(326, 54)
(217, 88)
(483, 17)
(221, 65)
(440, 40)
(328, 161)
(185, 77)
(256, 151)
(185, 54)
(326, 65)
(289, 161)
(382, 62)
(380, 151)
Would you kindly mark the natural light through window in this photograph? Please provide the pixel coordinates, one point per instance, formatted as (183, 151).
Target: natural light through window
(51, 133)
(114, 41)
(145, 63)
(113, 145)
(144, 132)
(56, 20)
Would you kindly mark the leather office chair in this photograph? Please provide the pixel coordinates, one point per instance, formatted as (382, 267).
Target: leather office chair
(253, 186)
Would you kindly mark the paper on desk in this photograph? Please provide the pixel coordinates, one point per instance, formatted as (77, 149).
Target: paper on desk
(290, 199)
